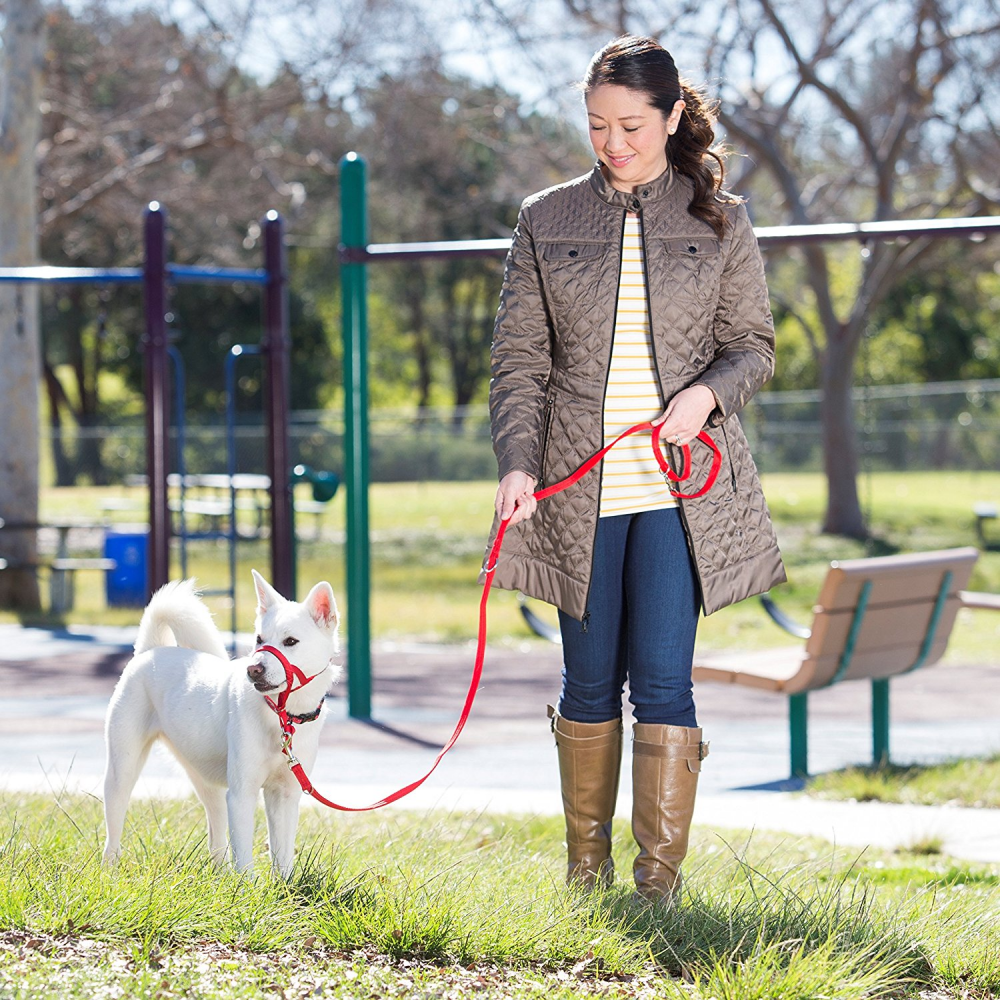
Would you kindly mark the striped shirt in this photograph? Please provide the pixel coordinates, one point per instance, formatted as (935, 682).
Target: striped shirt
(631, 480)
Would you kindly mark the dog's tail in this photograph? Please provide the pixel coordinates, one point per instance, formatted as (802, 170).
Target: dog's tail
(176, 616)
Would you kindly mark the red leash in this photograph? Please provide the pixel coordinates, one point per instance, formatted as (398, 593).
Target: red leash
(294, 673)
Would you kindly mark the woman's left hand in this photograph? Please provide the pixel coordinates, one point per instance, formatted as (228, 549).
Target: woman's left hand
(686, 413)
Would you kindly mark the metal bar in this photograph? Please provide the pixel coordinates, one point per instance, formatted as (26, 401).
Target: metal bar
(852, 636)
(354, 226)
(176, 273)
(767, 236)
(43, 274)
(179, 395)
(798, 732)
(157, 395)
(184, 275)
(890, 230)
(276, 350)
(932, 625)
(880, 722)
(235, 352)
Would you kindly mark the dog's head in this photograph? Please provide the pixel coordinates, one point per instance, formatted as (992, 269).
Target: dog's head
(305, 632)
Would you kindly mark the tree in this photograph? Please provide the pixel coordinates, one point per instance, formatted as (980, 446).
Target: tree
(20, 85)
(451, 159)
(849, 110)
(137, 109)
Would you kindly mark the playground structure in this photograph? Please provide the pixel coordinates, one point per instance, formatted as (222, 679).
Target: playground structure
(155, 275)
(356, 254)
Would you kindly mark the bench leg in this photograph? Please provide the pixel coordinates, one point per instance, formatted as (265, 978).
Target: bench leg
(880, 722)
(798, 726)
(61, 590)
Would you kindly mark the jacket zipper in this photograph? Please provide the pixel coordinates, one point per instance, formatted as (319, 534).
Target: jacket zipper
(604, 397)
(656, 365)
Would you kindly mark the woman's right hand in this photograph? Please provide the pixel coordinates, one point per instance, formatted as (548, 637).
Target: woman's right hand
(515, 497)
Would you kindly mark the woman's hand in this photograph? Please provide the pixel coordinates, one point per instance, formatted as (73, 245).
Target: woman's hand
(685, 415)
(515, 497)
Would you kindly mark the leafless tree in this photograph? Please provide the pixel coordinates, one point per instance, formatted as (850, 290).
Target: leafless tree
(848, 110)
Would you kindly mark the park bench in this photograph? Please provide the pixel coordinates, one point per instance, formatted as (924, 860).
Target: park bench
(874, 619)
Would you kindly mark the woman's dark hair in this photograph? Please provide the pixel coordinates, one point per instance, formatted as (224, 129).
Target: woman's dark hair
(643, 65)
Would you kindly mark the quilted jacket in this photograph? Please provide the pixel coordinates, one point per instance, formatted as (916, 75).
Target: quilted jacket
(711, 325)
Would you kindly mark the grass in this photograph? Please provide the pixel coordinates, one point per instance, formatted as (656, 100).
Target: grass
(439, 905)
(428, 541)
(966, 782)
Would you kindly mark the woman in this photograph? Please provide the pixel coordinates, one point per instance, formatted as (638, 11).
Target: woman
(635, 292)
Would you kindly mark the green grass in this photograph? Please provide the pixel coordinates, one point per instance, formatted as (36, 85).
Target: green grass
(967, 782)
(401, 904)
(428, 541)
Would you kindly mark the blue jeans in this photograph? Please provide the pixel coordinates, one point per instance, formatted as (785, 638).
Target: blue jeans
(640, 624)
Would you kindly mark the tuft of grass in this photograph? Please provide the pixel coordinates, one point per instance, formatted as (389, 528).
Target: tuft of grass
(447, 905)
(973, 782)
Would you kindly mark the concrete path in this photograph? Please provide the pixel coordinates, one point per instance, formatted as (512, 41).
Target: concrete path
(57, 684)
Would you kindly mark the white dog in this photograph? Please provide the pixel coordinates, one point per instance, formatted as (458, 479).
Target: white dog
(182, 688)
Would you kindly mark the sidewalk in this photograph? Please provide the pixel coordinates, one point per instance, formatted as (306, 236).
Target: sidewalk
(57, 685)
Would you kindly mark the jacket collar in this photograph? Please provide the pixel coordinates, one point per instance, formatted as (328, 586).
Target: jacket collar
(652, 191)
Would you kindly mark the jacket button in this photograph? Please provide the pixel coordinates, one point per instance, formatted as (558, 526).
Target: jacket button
(692, 249)
(645, 193)
(574, 253)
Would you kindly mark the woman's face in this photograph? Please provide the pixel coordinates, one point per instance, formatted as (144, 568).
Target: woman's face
(629, 135)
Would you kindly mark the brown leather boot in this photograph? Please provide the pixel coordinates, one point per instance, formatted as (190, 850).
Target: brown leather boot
(590, 756)
(665, 765)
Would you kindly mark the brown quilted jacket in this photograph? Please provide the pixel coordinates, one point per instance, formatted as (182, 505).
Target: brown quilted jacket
(711, 325)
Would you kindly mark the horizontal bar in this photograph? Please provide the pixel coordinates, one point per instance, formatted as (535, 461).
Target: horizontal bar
(177, 273)
(183, 275)
(72, 275)
(766, 235)
(864, 231)
(408, 251)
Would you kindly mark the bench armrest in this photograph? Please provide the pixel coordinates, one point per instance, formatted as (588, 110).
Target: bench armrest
(780, 618)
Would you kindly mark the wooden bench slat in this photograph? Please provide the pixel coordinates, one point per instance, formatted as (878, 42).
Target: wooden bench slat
(898, 579)
(769, 669)
(883, 627)
(868, 665)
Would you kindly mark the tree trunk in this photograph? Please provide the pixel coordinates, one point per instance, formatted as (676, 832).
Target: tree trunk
(20, 89)
(65, 469)
(840, 440)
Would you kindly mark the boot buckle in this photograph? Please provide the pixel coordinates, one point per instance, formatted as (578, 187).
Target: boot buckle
(702, 750)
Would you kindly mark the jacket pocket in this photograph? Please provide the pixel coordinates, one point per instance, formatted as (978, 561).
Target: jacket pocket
(550, 407)
(568, 252)
(695, 263)
(721, 428)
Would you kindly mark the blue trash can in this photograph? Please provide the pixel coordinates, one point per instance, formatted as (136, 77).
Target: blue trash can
(126, 583)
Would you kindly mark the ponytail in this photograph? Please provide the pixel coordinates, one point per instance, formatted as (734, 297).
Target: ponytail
(689, 149)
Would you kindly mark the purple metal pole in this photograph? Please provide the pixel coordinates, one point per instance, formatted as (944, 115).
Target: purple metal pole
(157, 378)
(277, 350)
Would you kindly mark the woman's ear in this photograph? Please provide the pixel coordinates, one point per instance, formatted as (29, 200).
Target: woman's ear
(674, 118)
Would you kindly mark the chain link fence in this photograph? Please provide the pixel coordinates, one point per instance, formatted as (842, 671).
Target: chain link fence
(944, 425)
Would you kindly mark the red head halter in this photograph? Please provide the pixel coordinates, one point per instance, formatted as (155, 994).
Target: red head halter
(292, 675)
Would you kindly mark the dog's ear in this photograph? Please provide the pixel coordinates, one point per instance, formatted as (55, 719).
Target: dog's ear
(322, 607)
(267, 596)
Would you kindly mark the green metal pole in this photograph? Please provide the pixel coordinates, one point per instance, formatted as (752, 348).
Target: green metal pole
(798, 726)
(354, 235)
(880, 722)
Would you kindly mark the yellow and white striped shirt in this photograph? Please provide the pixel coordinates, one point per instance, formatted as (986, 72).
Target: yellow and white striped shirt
(631, 480)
